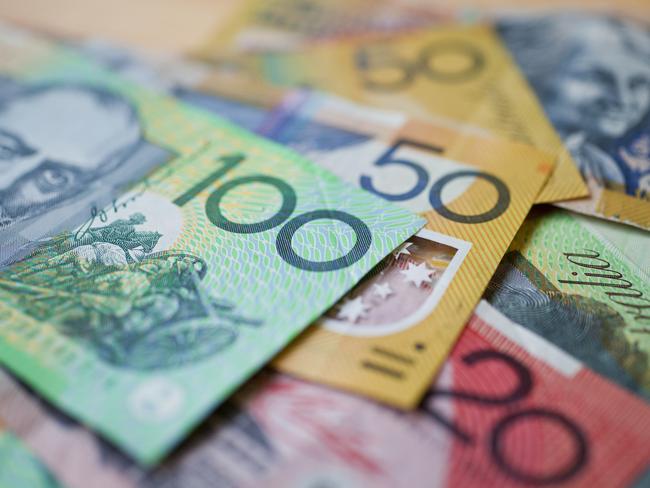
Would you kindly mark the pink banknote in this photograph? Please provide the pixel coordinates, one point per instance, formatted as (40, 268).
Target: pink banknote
(509, 409)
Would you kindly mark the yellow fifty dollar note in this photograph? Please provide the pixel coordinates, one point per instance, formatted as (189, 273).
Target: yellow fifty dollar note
(282, 25)
(459, 73)
(388, 337)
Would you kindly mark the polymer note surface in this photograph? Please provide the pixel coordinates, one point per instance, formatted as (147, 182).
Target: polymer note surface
(460, 75)
(279, 25)
(141, 315)
(242, 101)
(19, 467)
(593, 80)
(388, 337)
(509, 409)
(566, 282)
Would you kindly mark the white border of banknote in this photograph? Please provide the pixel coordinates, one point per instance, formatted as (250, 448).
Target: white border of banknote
(535, 345)
(462, 249)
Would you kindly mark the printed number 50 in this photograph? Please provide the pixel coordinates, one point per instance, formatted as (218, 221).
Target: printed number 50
(435, 194)
(378, 58)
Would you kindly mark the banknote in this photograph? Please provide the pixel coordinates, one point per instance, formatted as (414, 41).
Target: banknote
(282, 25)
(457, 73)
(73, 453)
(593, 80)
(628, 241)
(149, 311)
(482, 9)
(243, 101)
(19, 467)
(289, 25)
(566, 282)
(53, 170)
(388, 337)
(238, 100)
(509, 409)
(231, 449)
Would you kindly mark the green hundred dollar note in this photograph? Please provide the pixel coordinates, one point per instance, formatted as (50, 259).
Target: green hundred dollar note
(142, 317)
(566, 279)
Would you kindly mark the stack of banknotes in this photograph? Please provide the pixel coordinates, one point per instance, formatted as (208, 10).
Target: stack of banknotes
(360, 243)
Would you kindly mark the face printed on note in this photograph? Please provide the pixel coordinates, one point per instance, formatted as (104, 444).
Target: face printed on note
(592, 76)
(605, 93)
(55, 140)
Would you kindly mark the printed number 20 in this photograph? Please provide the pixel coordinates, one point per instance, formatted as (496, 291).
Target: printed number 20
(499, 430)
(283, 240)
(435, 194)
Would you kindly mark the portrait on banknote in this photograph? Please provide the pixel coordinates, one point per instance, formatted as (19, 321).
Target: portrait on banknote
(60, 142)
(592, 74)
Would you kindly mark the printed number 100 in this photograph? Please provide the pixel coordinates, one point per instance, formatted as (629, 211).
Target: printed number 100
(289, 200)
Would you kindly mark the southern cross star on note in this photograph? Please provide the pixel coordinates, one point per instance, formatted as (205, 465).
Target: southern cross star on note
(417, 274)
(382, 290)
(353, 309)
